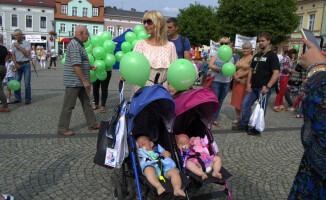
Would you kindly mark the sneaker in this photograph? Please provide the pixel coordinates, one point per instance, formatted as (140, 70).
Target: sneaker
(253, 131)
(240, 128)
(7, 197)
(8, 101)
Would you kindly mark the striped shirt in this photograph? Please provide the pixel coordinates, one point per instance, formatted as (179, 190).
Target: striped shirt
(76, 55)
(20, 57)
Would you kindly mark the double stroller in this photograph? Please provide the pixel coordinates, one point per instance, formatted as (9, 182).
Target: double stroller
(152, 113)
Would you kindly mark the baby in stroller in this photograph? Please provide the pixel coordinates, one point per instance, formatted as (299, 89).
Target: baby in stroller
(196, 157)
(149, 157)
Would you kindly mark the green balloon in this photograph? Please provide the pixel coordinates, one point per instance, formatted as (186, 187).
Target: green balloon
(96, 41)
(130, 37)
(64, 55)
(87, 43)
(101, 75)
(126, 47)
(119, 55)
(100, 65)
(89, 48)
(296, 47)
(228, 69)
(106, 35)
(109, 46)
(135, 68)
(224, 53)
(138, 28)
(93, 76)
(109, 60)
(142, 35)
(181, 74)
(13, 85)
(99, 53)
(91, 59)
(63, 61)
(134, 43)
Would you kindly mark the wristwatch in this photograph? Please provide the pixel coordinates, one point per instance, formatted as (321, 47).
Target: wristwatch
(314, 70)
(268, 88)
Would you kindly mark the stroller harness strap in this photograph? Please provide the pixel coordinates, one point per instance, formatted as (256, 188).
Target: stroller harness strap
(185, 156)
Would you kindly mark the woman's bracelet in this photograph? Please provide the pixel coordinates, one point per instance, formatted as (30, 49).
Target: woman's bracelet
(314, 65)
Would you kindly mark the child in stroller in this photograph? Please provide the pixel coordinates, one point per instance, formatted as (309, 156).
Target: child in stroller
(196, 158)
(149, 158)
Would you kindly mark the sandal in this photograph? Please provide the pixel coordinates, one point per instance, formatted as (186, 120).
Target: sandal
(276, 109)
(298, 116)
(95, 107)
(283, 109)
(217, 124)
(236, 122)
(103, 109)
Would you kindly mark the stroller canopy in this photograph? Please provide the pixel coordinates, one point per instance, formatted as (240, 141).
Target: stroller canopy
(202, 102)
(148, 107)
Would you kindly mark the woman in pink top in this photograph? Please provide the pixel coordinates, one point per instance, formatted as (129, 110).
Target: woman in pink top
(157, 49)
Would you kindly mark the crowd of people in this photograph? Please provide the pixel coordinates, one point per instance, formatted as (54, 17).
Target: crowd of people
(254, 78)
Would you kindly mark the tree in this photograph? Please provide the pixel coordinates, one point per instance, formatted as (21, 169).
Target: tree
(198, 24)
(250, 17)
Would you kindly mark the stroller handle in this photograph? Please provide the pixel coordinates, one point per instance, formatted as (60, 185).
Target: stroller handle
(156, 77)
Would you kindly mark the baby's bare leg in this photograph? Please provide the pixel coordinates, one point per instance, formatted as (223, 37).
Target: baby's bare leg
(217, 165)
(174, 175)
(150, 174)
(196, 170)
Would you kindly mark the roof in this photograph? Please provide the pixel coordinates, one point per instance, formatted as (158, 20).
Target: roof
(95, 3)
(40, 3)
(123, 13)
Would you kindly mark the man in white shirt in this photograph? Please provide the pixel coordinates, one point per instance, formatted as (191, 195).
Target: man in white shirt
(53, 55)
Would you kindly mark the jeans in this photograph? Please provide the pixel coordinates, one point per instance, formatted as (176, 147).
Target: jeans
(248, 101)
(26, 70)
(221, 90)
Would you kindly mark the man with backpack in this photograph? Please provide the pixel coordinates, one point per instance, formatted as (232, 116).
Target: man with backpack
(181, 42)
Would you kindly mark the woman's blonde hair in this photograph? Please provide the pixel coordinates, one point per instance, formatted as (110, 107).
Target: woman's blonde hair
(160, 26)
(225, 39)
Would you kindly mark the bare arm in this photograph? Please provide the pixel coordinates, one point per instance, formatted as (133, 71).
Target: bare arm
(82, 77)
(14, 61)
(186, 55)
(211, 64)
(25, 52)
(249, 80)
(271, 82)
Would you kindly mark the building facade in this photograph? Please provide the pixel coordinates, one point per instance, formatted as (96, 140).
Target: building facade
(118, 21)
(71, 13)
(35, 18)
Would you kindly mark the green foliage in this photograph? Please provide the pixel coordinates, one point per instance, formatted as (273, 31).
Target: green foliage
(198, 23)
(250, 17)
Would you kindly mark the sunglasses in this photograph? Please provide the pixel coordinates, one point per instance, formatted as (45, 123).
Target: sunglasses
(224, 43)
(148, 21)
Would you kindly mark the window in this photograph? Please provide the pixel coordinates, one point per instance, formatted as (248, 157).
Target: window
(28, 21)
(73, 29)
(119, 30)
(74, 11)
(311, 22)
(85, 12)
(14, 21)
(300, 22)
(95, 12)
(95, 30)
(64, 9)
(43, 22)
(111, 30)
(0, 20)
(62, 28)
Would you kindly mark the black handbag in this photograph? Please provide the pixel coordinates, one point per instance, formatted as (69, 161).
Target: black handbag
(106, 137)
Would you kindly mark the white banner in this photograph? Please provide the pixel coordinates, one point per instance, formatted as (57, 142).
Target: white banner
(214, 46)
(239, 40)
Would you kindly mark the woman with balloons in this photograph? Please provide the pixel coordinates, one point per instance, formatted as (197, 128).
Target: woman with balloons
(286, 67)
(221, 83)
(240, 80)
(159, 52)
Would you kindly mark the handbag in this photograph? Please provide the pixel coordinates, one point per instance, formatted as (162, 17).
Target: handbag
(209, 81)
(257, 118)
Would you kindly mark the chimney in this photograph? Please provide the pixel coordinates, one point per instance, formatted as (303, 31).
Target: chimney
(133, 10)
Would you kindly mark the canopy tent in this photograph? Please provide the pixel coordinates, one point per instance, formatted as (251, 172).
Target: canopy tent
(118, 41)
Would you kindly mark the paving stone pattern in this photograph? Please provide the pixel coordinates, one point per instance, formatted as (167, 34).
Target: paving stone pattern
(36, 163)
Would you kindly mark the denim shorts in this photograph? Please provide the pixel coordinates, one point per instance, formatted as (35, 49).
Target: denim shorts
(6, 80)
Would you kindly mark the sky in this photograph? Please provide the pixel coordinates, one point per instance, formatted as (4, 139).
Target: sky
(167, 7)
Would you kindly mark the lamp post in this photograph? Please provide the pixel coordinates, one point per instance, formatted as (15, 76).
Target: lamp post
(118, 30)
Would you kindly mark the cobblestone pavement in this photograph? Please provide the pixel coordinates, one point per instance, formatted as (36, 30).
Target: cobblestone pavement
(36, 163)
